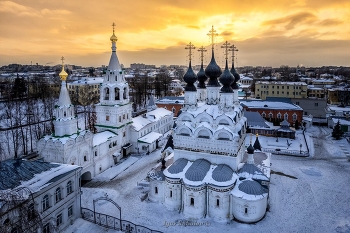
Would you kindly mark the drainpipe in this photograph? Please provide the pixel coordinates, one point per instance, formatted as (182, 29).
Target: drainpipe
(181, 197)
(207, 201)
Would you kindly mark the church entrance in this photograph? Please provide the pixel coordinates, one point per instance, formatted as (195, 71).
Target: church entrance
(84, 178)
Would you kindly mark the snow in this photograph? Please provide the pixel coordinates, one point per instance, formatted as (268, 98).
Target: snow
(317, 201)
(102, 137)
(238, 193)
(151, 116)
(270, 104)
(150, 138)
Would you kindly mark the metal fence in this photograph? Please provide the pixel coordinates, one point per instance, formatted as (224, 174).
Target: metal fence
(111, 222)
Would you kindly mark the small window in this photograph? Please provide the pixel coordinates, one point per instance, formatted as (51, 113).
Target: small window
(46, 202)
(123, 116)
(217, 202)
(124, 134)
(171, 193)
(316, 104)
(246, 210)
(95, 153)
(59, 220)
(156, 190)
(31, 213)
(58, 195)
(69, 187)
(120, 118)
(107, 118)
(85, 158)
(70, 211)
(192, 201)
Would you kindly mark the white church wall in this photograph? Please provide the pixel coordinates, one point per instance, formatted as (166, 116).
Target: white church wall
(172, 194)
(218, 206)
(194, 202)
(156, 192)
(249, 210)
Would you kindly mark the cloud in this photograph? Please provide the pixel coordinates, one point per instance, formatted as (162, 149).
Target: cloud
(330, 22)
(291, 21)
(18, 9)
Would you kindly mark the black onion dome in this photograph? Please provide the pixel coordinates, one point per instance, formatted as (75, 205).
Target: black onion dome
(226, 79)
(234, 73)
(213, 71)
(234, 85)
(201, 78)
(190, 77)
(250, 149)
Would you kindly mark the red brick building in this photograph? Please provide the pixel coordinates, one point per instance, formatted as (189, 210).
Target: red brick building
(275, 111)
(171, 103)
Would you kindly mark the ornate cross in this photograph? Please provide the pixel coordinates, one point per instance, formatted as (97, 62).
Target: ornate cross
(226, 46)
(62, 59)
(113, 25)
(212, 34)
(234, 49)
(190, 46)
(202, 50)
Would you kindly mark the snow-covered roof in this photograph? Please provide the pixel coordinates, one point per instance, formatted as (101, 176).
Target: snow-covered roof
(140, 122)
(270, 105)
(102, 137)
(171, 99)
(341, 121)
(33, 175)
(253, 172)
(87, 81)
(64, 139)
(150, 138)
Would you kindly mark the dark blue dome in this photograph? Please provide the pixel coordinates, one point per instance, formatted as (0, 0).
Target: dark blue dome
(201, 78)
(234, 73)
(213, 71)
(190, 78)
(226, 79)
(250, 149)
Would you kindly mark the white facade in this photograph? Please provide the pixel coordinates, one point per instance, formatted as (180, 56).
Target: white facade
(55, 196)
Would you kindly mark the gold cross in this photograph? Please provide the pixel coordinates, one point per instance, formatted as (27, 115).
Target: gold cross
(202, 50)
(113, 25)
(212, 34)
(190, 46)
(226, 46)
(62, 59)
(234, 49)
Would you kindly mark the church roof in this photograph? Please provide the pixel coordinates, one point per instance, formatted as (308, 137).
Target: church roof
(251, 187)
(198, 170)
(213, 71)
(169, 143)
(190, 78)
(222, 173)
(102, 137)
(178, 166)
(226, 78)
(64, 99)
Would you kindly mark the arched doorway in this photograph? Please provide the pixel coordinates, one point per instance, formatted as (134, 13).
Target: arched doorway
(84, 178)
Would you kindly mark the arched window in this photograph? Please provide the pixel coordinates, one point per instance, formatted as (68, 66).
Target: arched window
(286, 116)
(124, 93)
(270, 115)
(279, 115)
(117, 95)
(46, 203)
(106, 93)
(217, 202)
(156, 190)
(58, 195)
(192, 201)
(69, 187)
(171, 193)
(295, 117)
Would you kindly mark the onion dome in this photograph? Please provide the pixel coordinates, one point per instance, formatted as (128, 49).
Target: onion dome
(250, 149)
(226, 79)
(63, 74)
(201, 78)
(190, 78)
(213, 71)
(234, 73)
(257, 145)
(113, 37)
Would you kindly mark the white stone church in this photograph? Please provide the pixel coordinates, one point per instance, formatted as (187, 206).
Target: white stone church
(118, 134)
(212, 172)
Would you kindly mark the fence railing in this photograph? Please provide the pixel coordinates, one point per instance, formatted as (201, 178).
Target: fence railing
(286, 152)
(111, 222)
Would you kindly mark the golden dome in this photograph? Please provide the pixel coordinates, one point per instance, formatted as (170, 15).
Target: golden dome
(63, 75)
(113, 38)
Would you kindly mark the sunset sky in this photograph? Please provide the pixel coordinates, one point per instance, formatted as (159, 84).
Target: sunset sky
(267, 33)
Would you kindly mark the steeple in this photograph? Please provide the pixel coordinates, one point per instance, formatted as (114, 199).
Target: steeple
(257, 145)
(226, 78)
(190, 78)
(201, 77)
(234, 85)
(151, 104)
(65, 121)
(213, 71)
(114, 73)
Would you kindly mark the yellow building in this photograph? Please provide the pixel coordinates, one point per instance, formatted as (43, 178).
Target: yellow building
(265, 89)
(85, 91)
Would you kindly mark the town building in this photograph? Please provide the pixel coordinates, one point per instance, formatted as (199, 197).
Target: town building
(339, 95)
(172, 103)
(85, 91)
(38, 196)
(265, 89)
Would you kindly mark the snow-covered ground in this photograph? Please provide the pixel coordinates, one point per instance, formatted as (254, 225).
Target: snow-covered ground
(317, 201)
